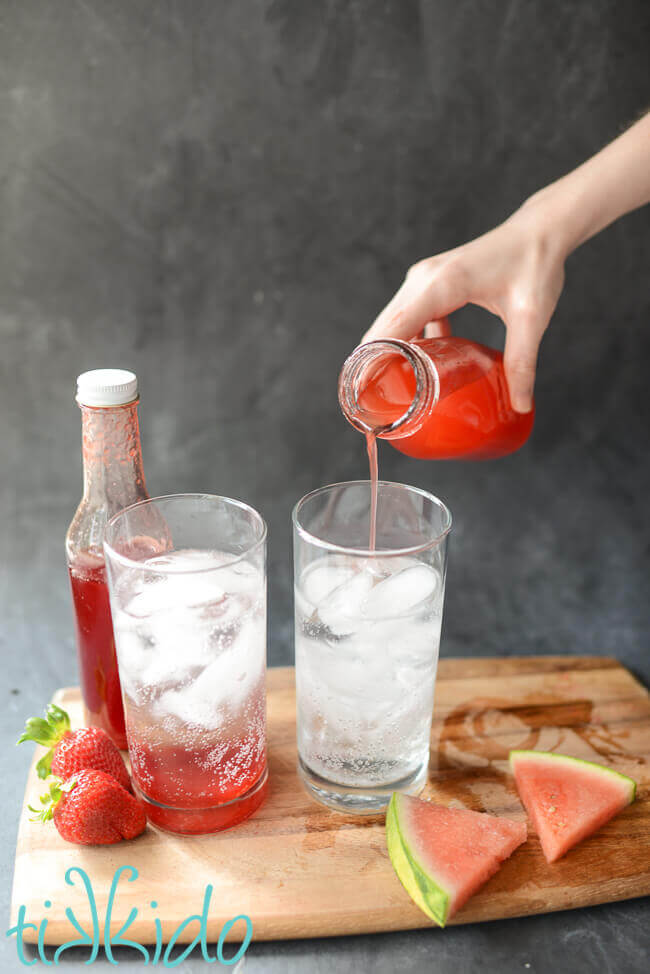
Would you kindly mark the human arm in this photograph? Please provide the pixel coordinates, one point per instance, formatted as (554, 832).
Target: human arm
(516, 270)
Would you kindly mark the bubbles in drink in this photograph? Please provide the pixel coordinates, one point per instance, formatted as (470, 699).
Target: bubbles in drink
(190, 629)
(367, 638)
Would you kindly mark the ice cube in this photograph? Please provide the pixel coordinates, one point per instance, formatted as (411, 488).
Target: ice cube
(225, 684)
(225, 611)
(341, 610)
(246, 658)
(359, 673)
(227, 626)
(146, 597)
(171, 667)
(189, 560)
(190, 705)
(131, 655)
(304, 609)
(165, 595)
(323, 577)
(242, 578)
(186, 579)
(409, 641)
(419, 679)
(399, 594)
(184, 634)
(383, 565)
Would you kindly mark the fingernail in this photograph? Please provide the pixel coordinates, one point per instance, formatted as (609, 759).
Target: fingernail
(522, 404)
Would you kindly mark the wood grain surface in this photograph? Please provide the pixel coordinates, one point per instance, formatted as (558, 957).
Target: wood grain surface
(299, 870)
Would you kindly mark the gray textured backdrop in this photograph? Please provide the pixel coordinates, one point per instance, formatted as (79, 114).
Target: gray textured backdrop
(221, 195)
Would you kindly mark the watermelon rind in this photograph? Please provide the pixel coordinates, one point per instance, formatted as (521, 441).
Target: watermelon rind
(566, 758)
(423, 890)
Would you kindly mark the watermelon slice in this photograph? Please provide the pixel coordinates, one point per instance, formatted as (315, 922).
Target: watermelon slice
(567, 799)
(443, 855)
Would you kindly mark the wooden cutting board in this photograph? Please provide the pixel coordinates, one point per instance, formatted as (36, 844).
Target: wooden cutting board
(299, 870)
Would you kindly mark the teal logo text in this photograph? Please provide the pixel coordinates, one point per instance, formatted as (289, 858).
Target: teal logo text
(99, 934)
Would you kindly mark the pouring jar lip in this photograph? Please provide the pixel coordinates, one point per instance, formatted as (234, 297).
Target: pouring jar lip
(427, 386)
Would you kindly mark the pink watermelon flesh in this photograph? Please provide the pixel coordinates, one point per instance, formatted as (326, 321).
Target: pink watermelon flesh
(459, 849)
(567, 799)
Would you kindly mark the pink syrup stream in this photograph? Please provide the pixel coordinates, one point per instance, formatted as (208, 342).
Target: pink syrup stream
(371, 442)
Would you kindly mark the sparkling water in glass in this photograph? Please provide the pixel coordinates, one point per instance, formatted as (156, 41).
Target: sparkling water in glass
(367, 639)
(188, 599)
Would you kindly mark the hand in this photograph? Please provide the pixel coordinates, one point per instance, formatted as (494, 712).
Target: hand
(515, 271)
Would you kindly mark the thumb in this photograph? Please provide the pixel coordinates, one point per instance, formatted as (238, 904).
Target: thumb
(520, 363)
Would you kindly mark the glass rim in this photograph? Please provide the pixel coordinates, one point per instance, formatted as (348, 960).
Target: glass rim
(313, 539)
(162, 570)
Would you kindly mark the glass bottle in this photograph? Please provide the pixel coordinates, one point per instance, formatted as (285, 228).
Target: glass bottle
(433, 399)
(113, 479)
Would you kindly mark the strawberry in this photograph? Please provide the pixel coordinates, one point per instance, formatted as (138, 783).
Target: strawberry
(70, 751)
(91, 808)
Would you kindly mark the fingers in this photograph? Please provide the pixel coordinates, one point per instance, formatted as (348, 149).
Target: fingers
(437, 329)
(523, 338)
(430, 292)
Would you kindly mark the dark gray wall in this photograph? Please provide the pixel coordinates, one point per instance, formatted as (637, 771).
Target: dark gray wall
(221, 195)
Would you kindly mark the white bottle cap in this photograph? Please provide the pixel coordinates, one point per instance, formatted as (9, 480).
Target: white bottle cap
(106, 387)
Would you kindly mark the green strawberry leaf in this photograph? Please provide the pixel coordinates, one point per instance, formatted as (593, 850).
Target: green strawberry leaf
(58, 719)
(44, 766)
(46, 732)
(39, 730)
(51, 799)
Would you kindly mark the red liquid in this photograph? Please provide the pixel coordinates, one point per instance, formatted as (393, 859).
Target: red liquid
(100, 683)
(193, 778)
(473, 418)
(176, 777)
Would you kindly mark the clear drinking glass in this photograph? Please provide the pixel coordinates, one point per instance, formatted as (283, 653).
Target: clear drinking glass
(187, 581)
(367, 639)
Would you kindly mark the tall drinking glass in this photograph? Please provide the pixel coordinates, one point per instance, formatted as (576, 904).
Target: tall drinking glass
(367, 638)
(187, 582)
